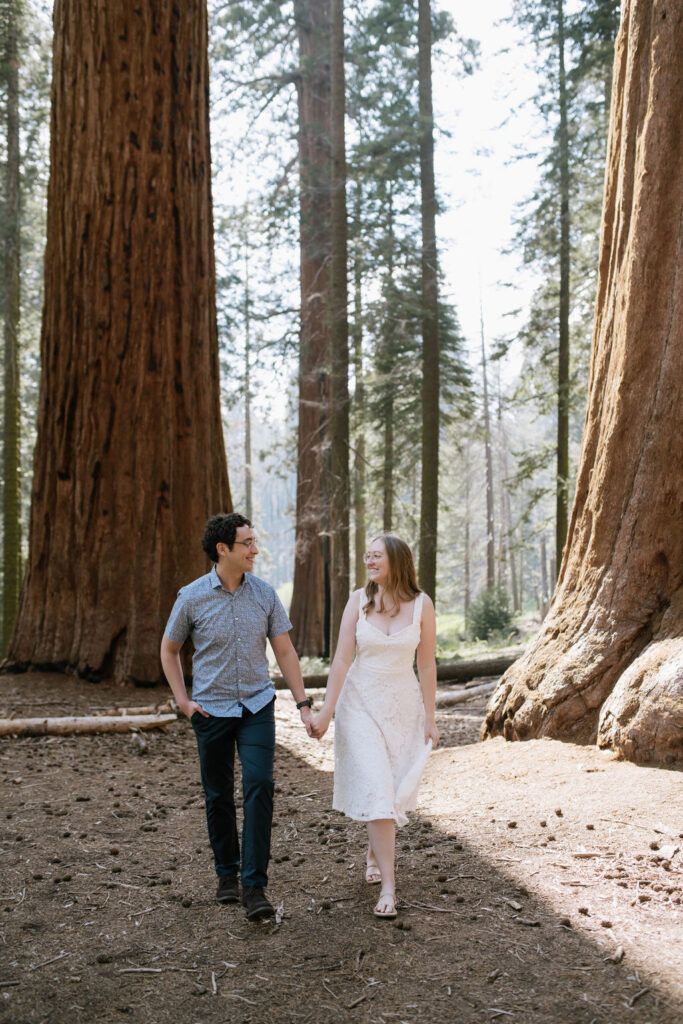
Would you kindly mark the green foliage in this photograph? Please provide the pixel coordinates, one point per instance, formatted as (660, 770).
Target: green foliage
(489, 613)
(590, 29)
(385, 243)
(34, 107)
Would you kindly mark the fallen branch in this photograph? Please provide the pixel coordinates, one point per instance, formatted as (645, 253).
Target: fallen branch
(87, 724)
(436, 910)
(52, 960)
(141, 970)
(447, 700)
(447, 672)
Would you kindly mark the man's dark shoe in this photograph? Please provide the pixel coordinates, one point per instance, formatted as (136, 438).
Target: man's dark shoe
(228, 889)
(256, 903)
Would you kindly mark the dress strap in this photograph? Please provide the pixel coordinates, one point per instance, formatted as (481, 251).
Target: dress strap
(417, 609)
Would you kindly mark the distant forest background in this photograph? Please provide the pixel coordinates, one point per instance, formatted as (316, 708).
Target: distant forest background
(509, 411)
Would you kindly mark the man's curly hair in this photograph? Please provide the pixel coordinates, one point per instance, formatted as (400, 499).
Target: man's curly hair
(222, 529)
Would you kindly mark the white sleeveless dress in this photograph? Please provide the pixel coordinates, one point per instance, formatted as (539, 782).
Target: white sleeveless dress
(379, 746)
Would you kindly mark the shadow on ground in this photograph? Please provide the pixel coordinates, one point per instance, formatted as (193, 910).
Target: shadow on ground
(108, 913)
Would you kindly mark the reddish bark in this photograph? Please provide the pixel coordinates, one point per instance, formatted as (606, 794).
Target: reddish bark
(310, 606)
(608, 662)
(130, 457)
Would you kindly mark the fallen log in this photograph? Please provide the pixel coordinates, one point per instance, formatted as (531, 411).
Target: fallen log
(446, 700)
(447, 672)
(87, 724)
(475, 668)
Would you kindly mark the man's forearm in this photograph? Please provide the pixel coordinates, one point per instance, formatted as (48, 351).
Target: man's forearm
(173, 670)
(291, 673)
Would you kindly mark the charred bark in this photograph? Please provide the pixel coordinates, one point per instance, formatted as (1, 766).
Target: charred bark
(608, 662)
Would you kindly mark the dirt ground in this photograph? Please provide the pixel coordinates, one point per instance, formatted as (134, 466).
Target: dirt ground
(539, 882)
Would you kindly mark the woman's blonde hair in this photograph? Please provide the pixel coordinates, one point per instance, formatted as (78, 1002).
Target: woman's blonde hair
(401, 583)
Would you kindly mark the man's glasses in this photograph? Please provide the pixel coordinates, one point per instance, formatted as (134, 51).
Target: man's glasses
(251, 543)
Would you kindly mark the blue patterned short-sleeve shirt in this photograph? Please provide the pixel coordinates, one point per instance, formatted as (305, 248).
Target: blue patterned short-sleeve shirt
(229, 632)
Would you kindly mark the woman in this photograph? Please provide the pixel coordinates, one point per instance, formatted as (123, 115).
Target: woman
(384, 722)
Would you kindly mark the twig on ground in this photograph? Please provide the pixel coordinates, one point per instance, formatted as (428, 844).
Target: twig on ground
(149, 910)
(437, 910)
(141, 970)
(327, 987)
(52, 960)
(634, 999)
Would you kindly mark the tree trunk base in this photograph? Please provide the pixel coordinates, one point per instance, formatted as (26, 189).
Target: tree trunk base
(631, 705)
(643, 718)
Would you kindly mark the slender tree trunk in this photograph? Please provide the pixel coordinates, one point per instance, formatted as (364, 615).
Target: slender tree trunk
(310, 599)
(339, 336)
(429, 502)
(467, 571)
(490, 530)
(388, 465)
(502, 566)
(359, 500)
(387, 369)
(129, 458)
(562, 502)
(11, 451)
(608, 662)
(544, 578)
(509, 544)
(248, 473)
(521, 576)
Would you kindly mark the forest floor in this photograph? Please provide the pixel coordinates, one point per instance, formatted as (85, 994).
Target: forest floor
(539, 882)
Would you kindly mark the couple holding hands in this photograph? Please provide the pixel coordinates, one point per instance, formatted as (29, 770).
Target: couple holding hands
(384, 718)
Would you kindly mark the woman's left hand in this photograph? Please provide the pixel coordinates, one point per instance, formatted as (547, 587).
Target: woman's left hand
(431, 732)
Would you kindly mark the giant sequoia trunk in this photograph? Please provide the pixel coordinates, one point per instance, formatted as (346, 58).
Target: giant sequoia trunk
(310, 599)
(608, 662)
(129, 458)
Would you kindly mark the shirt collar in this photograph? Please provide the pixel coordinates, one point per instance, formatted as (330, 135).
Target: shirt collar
(216, 581)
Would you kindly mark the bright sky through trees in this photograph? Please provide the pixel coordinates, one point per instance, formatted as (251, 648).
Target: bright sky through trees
(486, 124)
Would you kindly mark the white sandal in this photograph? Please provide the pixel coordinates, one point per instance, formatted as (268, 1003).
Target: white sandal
(386, 904)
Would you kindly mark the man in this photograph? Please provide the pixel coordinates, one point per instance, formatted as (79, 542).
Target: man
(229, 613)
